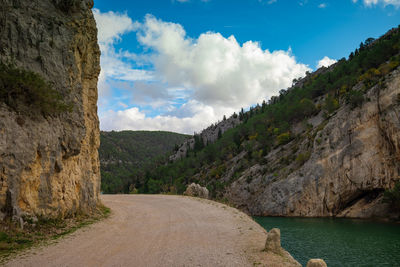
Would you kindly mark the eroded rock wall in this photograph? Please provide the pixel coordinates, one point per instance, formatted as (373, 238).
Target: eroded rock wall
(49, 164)
(350, 159)
(208, 136)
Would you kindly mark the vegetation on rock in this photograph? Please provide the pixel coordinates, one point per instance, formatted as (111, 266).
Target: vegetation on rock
(13, 238)
(28, 93)
(392, 196)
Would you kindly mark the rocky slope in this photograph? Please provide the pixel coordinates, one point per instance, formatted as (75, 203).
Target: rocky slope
(352, 157)
(49, 163)
(327, 146)
(207, 136)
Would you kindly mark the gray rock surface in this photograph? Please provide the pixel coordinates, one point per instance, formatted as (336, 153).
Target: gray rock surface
(338, 168)
(208, 135)
(49, 165)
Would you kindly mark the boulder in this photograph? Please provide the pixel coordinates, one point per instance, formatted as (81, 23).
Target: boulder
(196, 190)
(316, 263)
(273, 242)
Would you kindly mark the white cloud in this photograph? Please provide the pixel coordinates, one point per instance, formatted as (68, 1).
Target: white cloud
(395, 3)
(322, 5)
(326, 62)
(218, 70)
(190, 83)
(111, 26)
(194, 117)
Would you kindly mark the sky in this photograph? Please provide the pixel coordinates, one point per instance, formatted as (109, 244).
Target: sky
(181, 65)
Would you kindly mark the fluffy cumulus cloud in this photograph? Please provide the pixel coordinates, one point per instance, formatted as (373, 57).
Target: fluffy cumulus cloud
(191, 82)
(326, 62)
(218, 70)
(114, 64)
(395, 3)
(111, 26)
(196, 116)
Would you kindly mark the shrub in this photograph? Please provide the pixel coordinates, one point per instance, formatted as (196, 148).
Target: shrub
(27, 92)
(355, 98)
(331, 104)
(307, 107)
(302, 158)
(370, 75)
(283, 138)
(392, 196)
(154, 186)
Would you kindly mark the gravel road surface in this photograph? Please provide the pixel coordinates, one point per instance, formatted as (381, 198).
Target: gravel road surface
(160, 230)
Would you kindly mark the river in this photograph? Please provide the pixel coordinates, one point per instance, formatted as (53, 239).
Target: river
(340, 242)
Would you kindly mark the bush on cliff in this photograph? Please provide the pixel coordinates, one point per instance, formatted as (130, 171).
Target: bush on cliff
(392, 196)
(27, 92)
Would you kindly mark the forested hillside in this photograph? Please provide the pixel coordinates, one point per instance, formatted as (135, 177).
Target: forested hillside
(125, 155)
(293, 121)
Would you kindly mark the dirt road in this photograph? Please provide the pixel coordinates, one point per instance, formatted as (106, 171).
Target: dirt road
(158, 230)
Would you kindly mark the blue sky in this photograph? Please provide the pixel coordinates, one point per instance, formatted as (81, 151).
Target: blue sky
(181, 65)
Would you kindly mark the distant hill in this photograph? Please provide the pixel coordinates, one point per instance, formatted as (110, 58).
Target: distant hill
(124, 155)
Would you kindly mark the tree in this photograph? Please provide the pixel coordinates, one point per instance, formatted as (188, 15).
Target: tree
(198, 142)
(362, 47)
(241, 114)
(369, 41)
(355, 98)
(307, 107)
(263, 106)
(351, 56)
(154, 186)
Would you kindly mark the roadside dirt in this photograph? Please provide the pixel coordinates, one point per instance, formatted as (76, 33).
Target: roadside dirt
(159, 230)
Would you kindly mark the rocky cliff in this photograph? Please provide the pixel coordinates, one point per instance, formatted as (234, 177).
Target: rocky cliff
(49, 163)
(207, 136)
(348, 160)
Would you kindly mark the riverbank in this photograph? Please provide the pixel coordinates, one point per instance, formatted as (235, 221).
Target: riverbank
(160, 230)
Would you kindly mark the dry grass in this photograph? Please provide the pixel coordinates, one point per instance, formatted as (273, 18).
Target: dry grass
(13, 239)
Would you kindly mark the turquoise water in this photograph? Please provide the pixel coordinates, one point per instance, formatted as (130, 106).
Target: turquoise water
(340, 242)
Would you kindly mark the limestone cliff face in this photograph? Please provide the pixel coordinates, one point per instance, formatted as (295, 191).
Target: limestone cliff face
(350, 159)
(208, 136)
(49, 165)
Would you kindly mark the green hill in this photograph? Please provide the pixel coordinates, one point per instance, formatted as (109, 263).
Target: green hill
(125, 155)
(277, 138)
